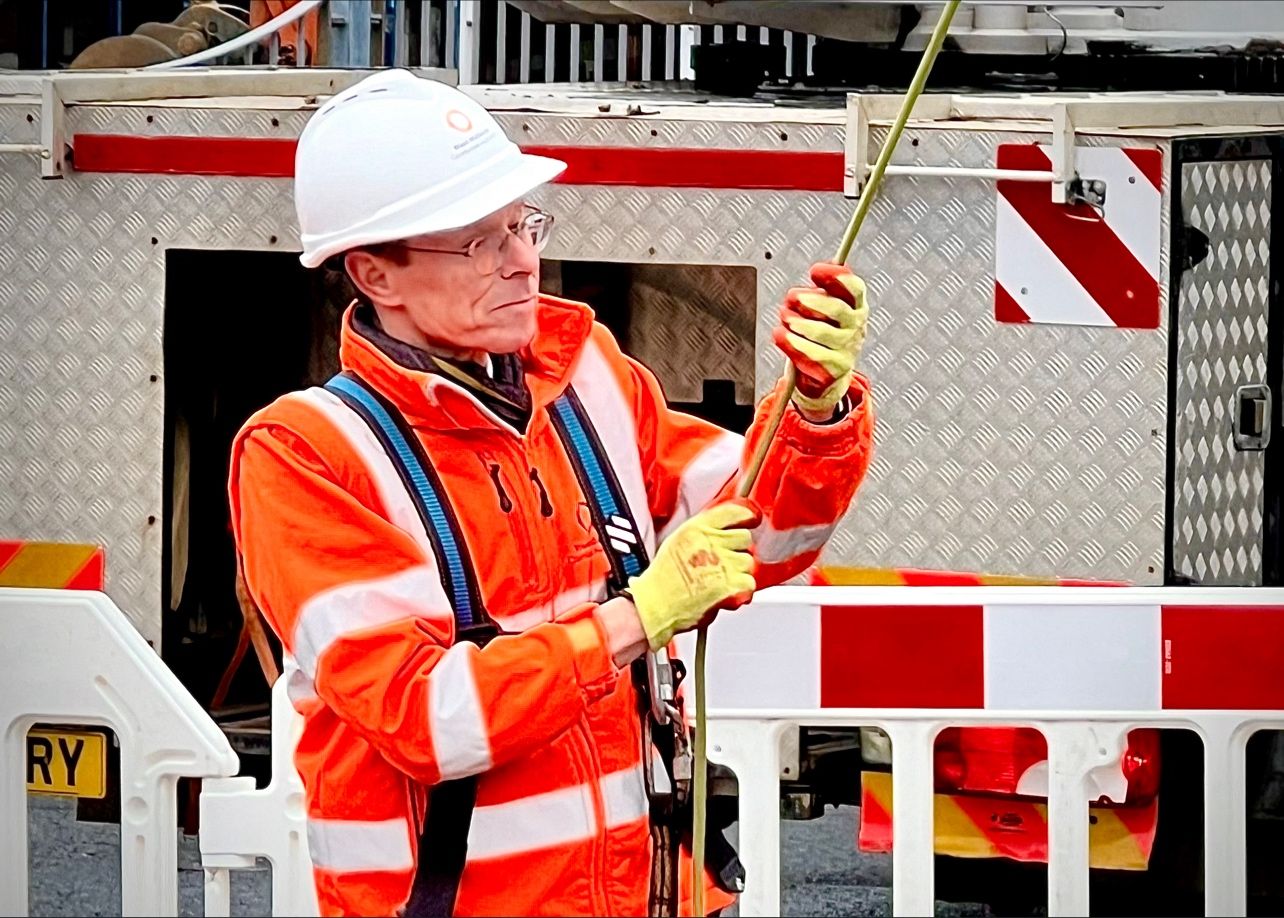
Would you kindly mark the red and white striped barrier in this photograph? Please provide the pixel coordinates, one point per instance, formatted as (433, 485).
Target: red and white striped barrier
(1005, 648)
(1084, 665)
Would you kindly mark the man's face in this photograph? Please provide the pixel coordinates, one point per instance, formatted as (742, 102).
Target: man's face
(468, 304)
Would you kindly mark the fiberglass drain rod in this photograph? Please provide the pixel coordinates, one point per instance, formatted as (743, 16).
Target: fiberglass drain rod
(700, 778)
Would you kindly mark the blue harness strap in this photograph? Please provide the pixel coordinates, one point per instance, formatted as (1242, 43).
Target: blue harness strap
(443, 842)
(616, 528)
(457, 574)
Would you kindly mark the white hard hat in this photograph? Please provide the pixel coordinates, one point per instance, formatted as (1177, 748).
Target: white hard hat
(396, 156)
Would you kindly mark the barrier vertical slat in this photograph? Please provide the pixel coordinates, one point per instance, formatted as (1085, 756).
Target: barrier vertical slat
(469, 51)
(646, 51)
(913, 819)
(690, 38)
(501, 42)
(218, 892)
(575, 52)
(622, 53)
(550, 46)
(148, 844)
(524, 72)
(13, 824)
(1225, 823)
(670, 52)
(599, 52)
(294, 889)
(751, 748)
(1069, 760)
(452, 37)
(427, 48)
(402, 46)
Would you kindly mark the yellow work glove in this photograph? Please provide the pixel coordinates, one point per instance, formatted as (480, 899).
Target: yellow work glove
(704, 565)
(822, 331)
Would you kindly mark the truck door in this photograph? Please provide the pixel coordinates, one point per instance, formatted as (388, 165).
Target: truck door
(1225, 436)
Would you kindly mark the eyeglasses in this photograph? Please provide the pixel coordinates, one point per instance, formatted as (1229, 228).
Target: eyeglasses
(487, 252)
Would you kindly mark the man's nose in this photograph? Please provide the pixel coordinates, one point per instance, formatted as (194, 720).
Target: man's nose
(520, 257)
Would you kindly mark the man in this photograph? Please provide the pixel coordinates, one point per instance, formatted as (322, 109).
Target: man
(416, 190)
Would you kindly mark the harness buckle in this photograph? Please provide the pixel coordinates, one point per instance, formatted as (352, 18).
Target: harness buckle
(664, 687)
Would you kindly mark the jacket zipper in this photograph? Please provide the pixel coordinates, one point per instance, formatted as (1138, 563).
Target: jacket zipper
(545, 508)
(520, 525)
(505, 502)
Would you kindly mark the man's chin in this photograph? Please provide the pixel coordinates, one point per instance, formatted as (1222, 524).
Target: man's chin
(514, 342)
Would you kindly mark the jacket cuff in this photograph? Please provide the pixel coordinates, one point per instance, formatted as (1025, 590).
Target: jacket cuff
(836, 435)
(595, 670)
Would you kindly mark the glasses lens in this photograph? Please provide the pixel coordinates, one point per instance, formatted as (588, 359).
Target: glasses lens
(486, 254)
(538, 227)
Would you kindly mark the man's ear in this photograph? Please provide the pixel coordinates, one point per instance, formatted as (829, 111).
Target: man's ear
(369, 274)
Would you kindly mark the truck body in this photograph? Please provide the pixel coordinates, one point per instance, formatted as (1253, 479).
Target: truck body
(1077, 389)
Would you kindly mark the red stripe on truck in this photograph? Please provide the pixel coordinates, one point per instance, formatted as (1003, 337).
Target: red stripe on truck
(670, 167)
(248, 157)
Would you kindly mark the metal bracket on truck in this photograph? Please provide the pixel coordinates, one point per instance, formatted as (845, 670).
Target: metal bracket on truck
(58, 91)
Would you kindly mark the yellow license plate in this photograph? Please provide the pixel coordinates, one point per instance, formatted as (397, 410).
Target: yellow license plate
(67, 763)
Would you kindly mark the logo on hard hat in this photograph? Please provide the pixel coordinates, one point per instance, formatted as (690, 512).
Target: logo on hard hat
(458, 120)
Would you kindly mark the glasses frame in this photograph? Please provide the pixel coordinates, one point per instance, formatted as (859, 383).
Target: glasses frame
(535, 218)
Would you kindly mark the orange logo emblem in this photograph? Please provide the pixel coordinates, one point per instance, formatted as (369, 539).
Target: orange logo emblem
(458, 120)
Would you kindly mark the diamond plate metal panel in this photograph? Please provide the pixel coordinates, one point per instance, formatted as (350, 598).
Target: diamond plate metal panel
(82, 289)
(19, 121)
(1222, 317)
(554, 129)
(20, 83)
(1036, 450)
(271, 119)
(692, 323)
(999, 448)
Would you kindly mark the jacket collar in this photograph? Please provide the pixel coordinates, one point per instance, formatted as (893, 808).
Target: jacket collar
(434, 401)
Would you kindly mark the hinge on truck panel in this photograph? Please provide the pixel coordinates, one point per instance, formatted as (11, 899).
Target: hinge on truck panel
(1092, 192)
(1192, 247)
(53, 138)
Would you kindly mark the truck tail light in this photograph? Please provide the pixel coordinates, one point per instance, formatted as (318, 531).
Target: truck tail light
(991, 760)
(987, 760)
(1141, 765)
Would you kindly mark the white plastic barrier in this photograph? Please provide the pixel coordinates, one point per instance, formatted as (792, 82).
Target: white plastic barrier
(1082, 665)
(71, 657)
(240, 823)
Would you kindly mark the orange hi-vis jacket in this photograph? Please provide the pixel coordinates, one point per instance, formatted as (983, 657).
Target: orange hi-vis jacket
(336, 557)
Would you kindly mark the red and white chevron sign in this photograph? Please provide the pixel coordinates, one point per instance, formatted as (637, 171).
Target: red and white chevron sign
(1070, 265)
